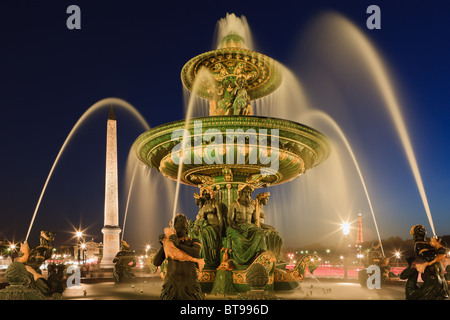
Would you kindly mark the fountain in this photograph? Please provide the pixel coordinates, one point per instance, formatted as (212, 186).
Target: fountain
(231, 153)
(245, 143)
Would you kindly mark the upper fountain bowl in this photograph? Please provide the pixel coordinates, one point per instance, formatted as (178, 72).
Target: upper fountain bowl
(232, 60)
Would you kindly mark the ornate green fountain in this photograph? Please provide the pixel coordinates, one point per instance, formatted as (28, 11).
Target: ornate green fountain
(231, 151)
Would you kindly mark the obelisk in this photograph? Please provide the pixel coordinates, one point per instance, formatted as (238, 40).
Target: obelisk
(111, 230)
(359, 235)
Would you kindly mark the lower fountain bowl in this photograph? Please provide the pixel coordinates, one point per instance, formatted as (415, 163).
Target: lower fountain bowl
(258, 151)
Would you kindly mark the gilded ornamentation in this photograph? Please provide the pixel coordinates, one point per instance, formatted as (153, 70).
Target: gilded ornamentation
(260, 72)
(300, 148)
(310, 262)
(206, 275)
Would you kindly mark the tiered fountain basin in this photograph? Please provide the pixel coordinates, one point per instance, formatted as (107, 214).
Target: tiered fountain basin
(259, 152)
(262, 72)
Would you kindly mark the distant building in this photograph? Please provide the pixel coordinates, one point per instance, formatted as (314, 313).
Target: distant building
(5, 254)
(67, 251)
(5, 261)
(92, 251)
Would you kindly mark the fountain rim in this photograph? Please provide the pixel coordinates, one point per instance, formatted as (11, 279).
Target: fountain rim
(316, 142)
(274, 76)
(192, 120)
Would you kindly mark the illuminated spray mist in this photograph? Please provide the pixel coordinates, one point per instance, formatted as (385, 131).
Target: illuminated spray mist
(346, 32)
(233, 24)
(130, 189)
(203, 75)
(329, 120)
(289, 101)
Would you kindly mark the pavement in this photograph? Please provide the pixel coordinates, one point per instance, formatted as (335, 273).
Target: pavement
(149, 288)
(326, 297)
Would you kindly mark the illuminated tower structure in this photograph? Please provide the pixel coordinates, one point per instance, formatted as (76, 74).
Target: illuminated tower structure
(359, 235)
(111, 230)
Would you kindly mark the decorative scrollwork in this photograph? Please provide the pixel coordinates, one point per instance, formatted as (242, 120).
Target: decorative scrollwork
(309, 261)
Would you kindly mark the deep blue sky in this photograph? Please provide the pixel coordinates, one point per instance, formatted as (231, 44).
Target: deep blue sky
(135, 50)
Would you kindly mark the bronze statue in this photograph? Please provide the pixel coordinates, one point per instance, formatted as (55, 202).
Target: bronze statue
(373, 255)
(124, 261)
(19, 285)
(245, 239)
(231, 90)
(274, 241)
(447, 272)
(209, 227)
(33, 260)
(241, 104)
(57, 277)
(182, 254)
(174, 253)
(434, 285)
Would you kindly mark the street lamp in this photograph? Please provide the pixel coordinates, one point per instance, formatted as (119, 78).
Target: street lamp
(345, 228)
(12, 247)
(397, 257)
(83, 247)
(79, 235)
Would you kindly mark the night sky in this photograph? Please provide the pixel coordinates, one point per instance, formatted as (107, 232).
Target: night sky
(135, 50)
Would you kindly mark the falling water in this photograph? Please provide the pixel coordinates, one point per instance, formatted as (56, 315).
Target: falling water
(291, 102)
(98, 105)
(232, 24)
(149, 196)
(329, 120)
(130, 189)
(200, 105)
(203, 75)
(346, 40)
(196, 106)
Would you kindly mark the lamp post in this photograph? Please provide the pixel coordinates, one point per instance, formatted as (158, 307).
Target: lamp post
(83, 247)
(79, 235)
(397, 257)
(12, 247)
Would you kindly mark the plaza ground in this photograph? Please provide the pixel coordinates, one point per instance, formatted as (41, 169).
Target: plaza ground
(312, 288)
(327, 283)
